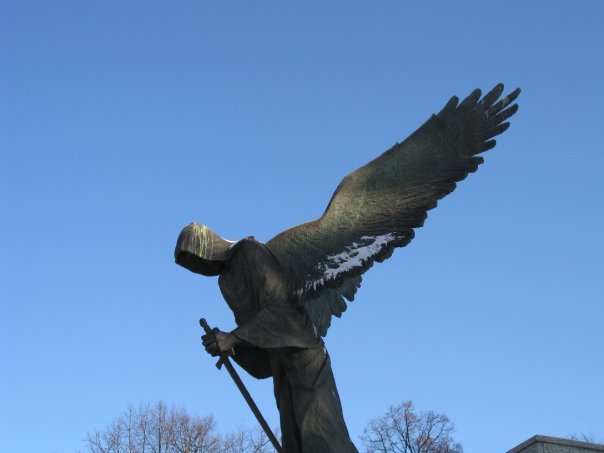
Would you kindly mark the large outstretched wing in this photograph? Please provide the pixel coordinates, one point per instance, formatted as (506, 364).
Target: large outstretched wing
(376, 208)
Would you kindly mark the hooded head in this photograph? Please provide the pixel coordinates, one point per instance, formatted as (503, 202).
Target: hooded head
(201, 250)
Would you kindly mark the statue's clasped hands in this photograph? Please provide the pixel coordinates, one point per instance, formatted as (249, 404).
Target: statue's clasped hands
(219, 343)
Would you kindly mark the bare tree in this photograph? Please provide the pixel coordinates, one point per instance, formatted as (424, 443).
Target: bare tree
(248, 441)
(583, 437)
(403, 430)
(159, 429)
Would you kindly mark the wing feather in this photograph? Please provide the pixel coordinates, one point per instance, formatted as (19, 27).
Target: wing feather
(376, 208)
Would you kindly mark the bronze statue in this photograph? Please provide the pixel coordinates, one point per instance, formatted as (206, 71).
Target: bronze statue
(283, 293)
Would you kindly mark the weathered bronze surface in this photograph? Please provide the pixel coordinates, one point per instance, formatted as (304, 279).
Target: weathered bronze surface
(284, 292)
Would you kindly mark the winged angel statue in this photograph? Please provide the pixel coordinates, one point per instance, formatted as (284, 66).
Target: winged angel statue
(283, 293)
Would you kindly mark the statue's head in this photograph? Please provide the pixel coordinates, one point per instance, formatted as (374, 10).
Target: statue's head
(201, 250)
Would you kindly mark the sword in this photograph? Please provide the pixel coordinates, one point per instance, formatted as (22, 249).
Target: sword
(224, 360)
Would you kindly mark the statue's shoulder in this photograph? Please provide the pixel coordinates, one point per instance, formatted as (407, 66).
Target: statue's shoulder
(247, 245)
(252, 249)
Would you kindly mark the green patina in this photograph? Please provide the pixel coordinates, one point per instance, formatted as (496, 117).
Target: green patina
(202, 241)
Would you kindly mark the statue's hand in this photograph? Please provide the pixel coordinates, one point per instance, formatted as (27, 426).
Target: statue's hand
(219, 342)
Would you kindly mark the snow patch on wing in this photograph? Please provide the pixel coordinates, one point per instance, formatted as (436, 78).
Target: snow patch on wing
(354, 256)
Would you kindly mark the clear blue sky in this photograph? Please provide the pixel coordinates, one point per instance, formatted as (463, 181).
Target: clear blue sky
(121, 122)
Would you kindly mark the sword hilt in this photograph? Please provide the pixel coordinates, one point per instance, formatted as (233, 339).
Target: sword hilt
(209, 331)
(203, 323)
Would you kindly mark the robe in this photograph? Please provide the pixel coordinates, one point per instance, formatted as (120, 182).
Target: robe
(278, 339)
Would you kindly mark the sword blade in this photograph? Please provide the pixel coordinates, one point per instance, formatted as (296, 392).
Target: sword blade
(250, 402)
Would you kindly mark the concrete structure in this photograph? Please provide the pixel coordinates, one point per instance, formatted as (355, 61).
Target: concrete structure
(544, 444)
